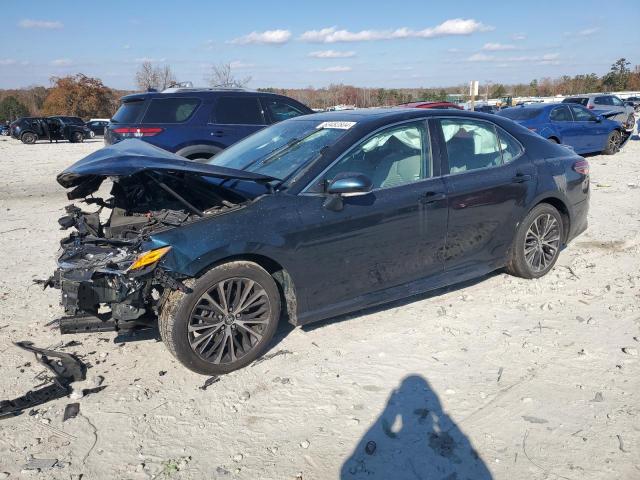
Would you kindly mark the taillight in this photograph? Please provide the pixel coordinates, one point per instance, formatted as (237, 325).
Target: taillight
(590, 107)
(137, 132)
(582, 167)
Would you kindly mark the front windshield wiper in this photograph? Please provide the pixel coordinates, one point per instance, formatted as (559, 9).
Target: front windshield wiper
(277, 152)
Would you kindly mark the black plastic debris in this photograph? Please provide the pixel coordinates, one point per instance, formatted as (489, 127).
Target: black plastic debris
(71, 411)
(370, 447)
(66, 369)
(209, 381)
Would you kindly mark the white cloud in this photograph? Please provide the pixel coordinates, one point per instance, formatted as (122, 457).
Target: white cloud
(61, 62)
(587, 32)
(546, 59)
(456, 26)
(331, 54)
(518, 37)
(335, 69)
(496, 47)
(238, 65)
(150, 60)
(126, 47)
(7, 61)
(274, 37)
(46, 24)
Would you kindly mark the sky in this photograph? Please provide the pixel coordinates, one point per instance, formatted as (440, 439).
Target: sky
(287, 44)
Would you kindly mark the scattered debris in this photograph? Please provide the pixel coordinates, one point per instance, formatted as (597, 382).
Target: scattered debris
(499, 374)
(370, 447)
(238, 457)
(244, 396)
(162, 373)
(40, 463)
(529, 419)
(620, 444)
(209, 381)
(269, 356)
(71, 411)
(630, 351)
(66, 369)
(598, 397)
(305, 444)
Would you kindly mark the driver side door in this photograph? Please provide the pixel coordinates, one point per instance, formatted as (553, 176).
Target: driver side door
(390, 236)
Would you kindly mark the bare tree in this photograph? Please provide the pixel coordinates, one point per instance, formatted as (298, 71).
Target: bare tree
(222, 76)
(149, 77)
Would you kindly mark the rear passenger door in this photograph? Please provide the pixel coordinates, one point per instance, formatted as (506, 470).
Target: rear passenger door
(489, 182)
(235, 117)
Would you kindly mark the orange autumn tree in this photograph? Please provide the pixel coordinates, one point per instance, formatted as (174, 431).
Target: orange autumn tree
(79, 96)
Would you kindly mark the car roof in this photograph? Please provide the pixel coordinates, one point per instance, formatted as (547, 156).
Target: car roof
(591, 95)
(191, 92)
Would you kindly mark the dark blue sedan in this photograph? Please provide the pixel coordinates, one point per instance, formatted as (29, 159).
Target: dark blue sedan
(310, 218)
(569, 124)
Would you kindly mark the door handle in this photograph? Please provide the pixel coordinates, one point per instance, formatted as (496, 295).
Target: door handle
(431, 197)
(218, 133)
(521, 177)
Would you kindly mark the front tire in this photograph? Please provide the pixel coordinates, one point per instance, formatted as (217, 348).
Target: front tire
(613, 143)
(227, 320)
(536, 245)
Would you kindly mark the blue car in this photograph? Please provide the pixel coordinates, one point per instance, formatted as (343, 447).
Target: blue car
(198, 123)
(569, 124)
(313, 217)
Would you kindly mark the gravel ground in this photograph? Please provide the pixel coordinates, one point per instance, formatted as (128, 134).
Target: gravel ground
(500, 378)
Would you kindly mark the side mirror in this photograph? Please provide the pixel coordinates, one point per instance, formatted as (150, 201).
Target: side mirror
(598, 118)
(350, 184)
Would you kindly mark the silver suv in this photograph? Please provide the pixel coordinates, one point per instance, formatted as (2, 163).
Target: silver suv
(608, 106)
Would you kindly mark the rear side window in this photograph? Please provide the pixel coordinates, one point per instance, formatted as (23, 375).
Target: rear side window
(561, 114)
(170, 110)
(520, 113)
(579, 100)
(238, 111)
(280, 110)
(511, 148)
(470, 145)
(129, 112)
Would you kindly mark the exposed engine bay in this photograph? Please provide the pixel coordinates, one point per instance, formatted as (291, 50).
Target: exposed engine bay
(107, 279)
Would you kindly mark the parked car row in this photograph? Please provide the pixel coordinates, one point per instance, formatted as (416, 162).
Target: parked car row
(609, 106)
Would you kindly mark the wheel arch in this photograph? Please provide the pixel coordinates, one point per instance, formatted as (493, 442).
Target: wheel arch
(286, 285)
(191, 150)
(562, 208)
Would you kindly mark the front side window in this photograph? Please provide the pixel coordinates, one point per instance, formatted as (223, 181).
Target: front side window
(238, 111)
(581, 114)
(280, 110)
(470, 145)
(602, 101)
(396, 156)
(170, 110)
(616, 101)
(561, 114)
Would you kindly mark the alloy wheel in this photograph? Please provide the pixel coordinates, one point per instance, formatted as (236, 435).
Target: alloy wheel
(229, 320)
(542, 242)
(614, 142)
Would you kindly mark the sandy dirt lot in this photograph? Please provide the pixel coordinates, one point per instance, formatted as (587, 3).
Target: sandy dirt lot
(501, 378)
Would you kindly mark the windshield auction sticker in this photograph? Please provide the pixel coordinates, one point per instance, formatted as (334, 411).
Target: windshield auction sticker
(337, 125)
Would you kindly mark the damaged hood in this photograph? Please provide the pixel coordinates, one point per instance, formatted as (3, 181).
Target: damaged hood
(133, 156)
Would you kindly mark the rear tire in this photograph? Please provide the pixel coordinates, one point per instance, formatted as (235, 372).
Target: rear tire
(76, 137)
(536, 245)
(613, 143)
(554, 140)
(29, 138)
(227, 320)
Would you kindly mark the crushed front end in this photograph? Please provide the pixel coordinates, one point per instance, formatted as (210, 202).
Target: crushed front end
(110, 267)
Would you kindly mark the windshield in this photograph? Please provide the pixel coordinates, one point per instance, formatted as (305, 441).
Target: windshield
(520, 113)
(279, 150)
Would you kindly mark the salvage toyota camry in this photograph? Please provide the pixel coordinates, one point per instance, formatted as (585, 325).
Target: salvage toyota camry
(308, 219)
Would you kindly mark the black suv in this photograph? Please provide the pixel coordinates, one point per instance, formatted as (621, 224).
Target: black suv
(32, 129)
(198, 123)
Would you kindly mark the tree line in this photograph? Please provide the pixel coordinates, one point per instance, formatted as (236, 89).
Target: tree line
(86, 97)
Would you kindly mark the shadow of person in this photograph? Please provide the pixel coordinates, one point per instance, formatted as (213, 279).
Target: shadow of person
(414, 439)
